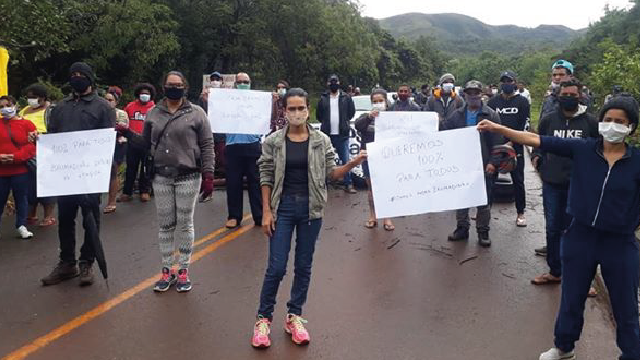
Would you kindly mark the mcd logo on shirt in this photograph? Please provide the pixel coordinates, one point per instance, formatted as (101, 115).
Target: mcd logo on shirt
(507, 111)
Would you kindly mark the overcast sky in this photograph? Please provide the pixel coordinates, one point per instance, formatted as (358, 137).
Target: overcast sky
(575, 14)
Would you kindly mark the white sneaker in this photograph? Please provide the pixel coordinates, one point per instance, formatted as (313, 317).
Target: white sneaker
(24, 233)
(521, 221)
(557, 354)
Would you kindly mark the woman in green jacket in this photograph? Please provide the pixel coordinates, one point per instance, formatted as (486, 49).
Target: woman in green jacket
(295, 164)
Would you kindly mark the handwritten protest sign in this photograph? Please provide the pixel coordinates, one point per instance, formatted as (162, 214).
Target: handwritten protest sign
(75, 162)
(234, 111)
(427, 172)
(390, 124)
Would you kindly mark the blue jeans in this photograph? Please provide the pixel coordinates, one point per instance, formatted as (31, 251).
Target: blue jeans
(293, 213)
(583, 249)
(341, 144)
(554, 202)
(19, 184)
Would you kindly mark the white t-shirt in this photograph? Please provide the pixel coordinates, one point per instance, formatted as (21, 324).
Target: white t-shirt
(334, 107)
(525, 94)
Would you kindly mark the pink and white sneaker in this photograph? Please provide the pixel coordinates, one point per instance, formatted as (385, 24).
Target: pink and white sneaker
(261, 334)
(294, 326)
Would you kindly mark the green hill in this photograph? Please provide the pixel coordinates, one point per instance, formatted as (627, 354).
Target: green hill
(464, 35)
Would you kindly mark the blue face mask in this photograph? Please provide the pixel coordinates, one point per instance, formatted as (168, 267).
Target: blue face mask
(243, 86)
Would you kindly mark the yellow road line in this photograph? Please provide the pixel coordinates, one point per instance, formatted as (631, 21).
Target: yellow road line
(101, 309)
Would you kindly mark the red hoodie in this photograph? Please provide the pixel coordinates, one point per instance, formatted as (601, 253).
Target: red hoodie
(20, 129)
(137, 112)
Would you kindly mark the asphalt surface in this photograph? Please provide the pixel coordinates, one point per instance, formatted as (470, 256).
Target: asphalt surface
(406, 294)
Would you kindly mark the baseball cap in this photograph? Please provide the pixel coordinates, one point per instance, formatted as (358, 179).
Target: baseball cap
(508, 74)
(473, 84)
(446, 77)
(563, 64)
(216, 74)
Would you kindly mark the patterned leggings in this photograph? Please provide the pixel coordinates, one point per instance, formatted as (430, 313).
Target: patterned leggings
(175, 204)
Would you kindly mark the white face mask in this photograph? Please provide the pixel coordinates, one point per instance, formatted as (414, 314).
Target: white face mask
(145, 97)
(282, 91)
(33, 102)
(216, 84)
(612, 132)
(297, 118)
(447, 87)
(8, 112)
(379, 106)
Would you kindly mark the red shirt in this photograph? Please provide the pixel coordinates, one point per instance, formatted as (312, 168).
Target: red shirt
(20, 129)
(137, 112)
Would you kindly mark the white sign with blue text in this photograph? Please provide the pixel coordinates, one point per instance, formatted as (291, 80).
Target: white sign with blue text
(427, 172)
(74, 163)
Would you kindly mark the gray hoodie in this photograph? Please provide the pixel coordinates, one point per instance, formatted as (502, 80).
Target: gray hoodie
(187, 142)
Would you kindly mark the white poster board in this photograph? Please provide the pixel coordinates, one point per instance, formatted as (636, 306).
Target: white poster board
(390, 124)
(233, 111)
(75, 163)
(427, 172)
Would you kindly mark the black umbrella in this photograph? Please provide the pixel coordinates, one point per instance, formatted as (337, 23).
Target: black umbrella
(94, 236)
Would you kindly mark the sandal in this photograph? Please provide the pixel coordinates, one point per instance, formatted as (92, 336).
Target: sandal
(592, 292)
(546, 279)
(109, 209)
(46, 222)
(32, 220)
(370, 224)
(232, 224)
(389, 227)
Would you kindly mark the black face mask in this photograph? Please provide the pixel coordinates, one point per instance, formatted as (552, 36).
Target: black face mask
(334, 87)
(174, 93)
(508, 88)
(568, 103)
(80, 84)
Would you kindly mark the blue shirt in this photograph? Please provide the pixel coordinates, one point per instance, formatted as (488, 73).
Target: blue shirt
(601, 197)
(242, 139)
(472, 118)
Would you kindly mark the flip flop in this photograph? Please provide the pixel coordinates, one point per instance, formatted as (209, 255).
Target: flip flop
(389, 227)
(109, 209)
(370, 224)
(592, 292)
(545, 279)
(229, 225)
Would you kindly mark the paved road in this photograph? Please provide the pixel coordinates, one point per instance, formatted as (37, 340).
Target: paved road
(375, 295)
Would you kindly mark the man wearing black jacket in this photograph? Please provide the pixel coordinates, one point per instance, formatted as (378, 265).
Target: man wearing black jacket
(334, 111)
(470, 115)
(570, 120)
(83, 110)
(514, 111)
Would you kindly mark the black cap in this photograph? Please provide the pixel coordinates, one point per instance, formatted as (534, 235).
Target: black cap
(333, 78)
(626, 103)
(215, 74)
(508, 74)
(84, 69)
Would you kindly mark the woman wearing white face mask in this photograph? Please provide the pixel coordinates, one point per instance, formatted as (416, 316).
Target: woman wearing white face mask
(38, 113)
(604, 200)
(295, 164)
(278, 118)
(365, 125)
(15, 151)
